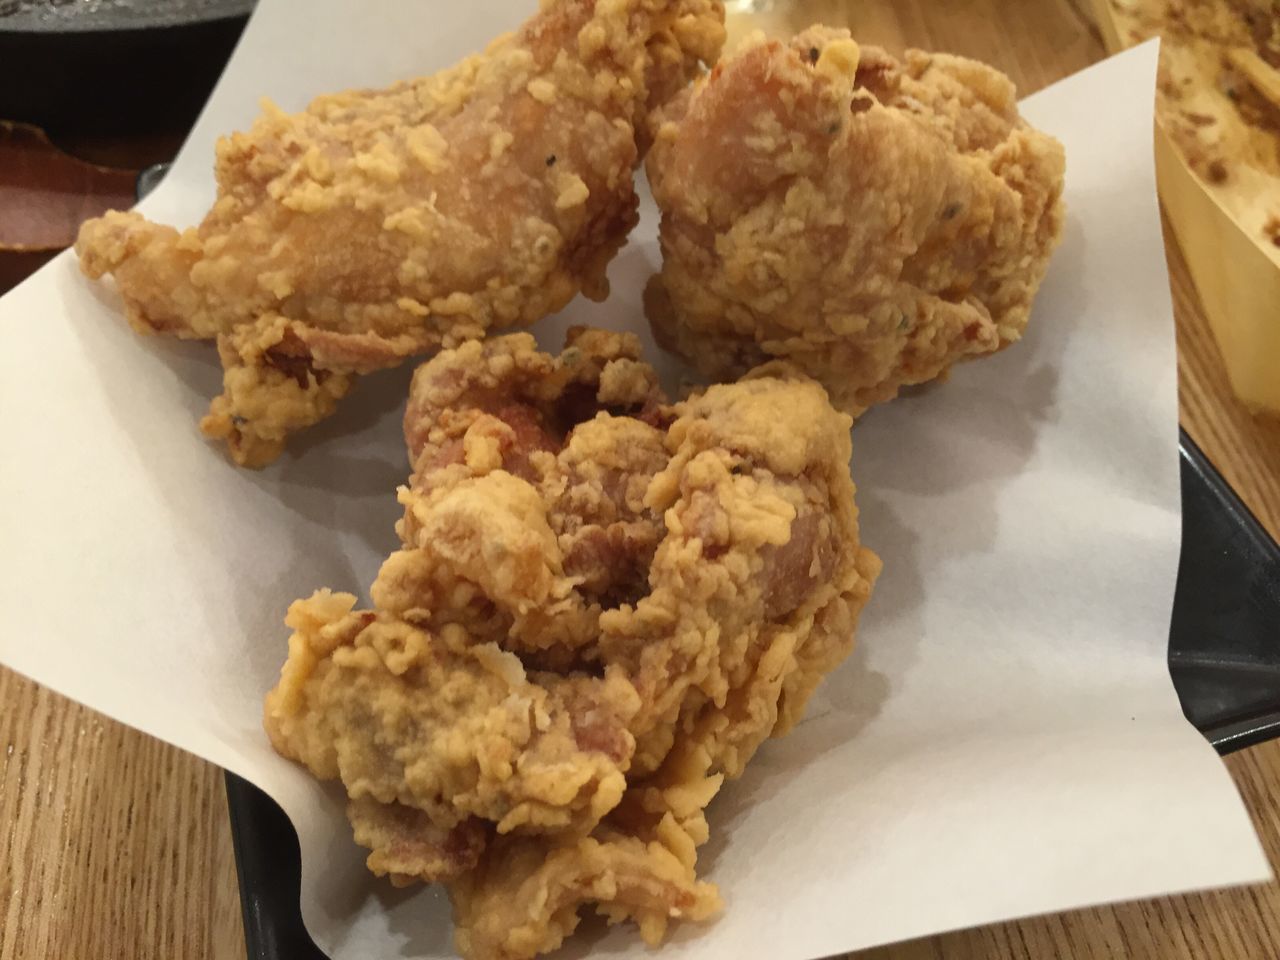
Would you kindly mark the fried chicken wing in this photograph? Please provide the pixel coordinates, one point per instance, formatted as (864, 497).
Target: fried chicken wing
(879, 221)
(602, 605)
(379, 224)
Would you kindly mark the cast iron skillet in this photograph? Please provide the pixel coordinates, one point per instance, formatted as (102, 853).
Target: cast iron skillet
(113, 66)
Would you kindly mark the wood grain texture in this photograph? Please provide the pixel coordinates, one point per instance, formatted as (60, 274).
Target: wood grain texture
(113, 845)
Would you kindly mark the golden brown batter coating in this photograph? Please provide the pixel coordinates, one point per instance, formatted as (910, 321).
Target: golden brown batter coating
(602, 606)
(875, 222)
(377, 225)
(441, 724)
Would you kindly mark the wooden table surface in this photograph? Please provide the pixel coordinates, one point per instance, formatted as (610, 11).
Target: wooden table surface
(113, 845)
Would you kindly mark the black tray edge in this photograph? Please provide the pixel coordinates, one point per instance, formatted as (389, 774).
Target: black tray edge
(269, 874)
(1235, 731)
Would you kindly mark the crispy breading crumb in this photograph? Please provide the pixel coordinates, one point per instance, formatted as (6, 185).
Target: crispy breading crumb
(603, 604)
(345, 219)
(879, 220)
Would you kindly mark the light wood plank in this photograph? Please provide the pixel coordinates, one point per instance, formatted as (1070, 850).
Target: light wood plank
(112, 844)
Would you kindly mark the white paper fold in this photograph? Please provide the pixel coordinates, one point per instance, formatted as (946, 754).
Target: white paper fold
(1006, 739)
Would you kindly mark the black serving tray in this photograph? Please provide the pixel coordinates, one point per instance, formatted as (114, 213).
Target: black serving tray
(1224, 656)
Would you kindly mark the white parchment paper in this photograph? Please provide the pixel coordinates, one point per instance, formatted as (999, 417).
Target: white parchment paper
(1004, 741)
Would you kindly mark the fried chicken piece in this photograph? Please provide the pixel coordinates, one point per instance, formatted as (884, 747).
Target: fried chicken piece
(445, 726)
(879, 220)
(407, 845)
(665, 583)
(757, 585)
(525, 897)
(517, 519)
(377, 225)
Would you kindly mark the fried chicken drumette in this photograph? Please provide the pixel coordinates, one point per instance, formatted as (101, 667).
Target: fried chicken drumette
(875, 220)
(376, 225)
(603, 604)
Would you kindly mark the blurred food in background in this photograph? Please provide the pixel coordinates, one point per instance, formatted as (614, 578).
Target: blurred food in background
(1219, 97)
(1218, 162)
